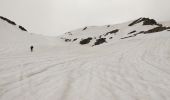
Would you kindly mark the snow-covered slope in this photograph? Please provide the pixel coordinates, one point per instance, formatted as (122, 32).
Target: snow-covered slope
(108, 34)
(128, 61)
(14, 39)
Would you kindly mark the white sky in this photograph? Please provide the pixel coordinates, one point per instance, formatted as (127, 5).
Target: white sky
(54, 17)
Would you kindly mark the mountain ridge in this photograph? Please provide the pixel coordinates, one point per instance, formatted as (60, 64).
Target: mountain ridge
(12, 23)
(110, 31)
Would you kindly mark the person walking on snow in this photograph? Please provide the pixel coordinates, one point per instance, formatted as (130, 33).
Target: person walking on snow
(31, 47)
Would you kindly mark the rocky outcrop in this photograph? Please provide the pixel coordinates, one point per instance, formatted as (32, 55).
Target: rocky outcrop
(146, 21)
(132, 32)
(111, 32)
(7, 20)
(108, 33)
(100, 41)
(22, 28)
(156, 29)
(85, 41)
(12, 23)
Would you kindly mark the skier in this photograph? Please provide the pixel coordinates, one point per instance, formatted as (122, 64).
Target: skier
(31, 47)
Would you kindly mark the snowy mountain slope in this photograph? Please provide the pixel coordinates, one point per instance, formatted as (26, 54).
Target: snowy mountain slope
(110, 33)
(17, 40)
(133, 68)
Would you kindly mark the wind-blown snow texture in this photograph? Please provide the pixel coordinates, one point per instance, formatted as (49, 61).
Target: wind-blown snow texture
(129, 61)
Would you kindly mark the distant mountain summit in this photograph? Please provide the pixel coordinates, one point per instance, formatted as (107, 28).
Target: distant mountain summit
(146, 21)
(109, 33)
(12, 23)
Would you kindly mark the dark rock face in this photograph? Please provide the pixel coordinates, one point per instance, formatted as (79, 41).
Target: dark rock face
(146, 21)
(22, 28)
(85, 41)
(156, 29)
(132, 32)
(7, 20)
(108, 25)
(75, 39)
(128, 37)
(100, 41)
(135, 22)
(111, 32)
(110, 37)
(12, 23)
(84, 28)
(168, 28)
(67, 40)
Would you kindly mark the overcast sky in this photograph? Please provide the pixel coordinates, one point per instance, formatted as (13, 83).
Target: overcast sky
(53, 17)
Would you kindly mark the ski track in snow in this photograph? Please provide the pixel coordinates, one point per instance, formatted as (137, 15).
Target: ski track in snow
(137, 68)
(128, 75)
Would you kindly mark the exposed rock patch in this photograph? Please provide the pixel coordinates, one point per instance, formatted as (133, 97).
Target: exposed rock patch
(110, 37)
(108, 25)
(146, 21)
(22, 28)
(135, 22)
(156, 29)
(100, 41)
(111, 32)
(84, 28)
(12, 23)
(132, 32)
(67, 40)
(85, 41)
(7, 20)
(75, 39)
